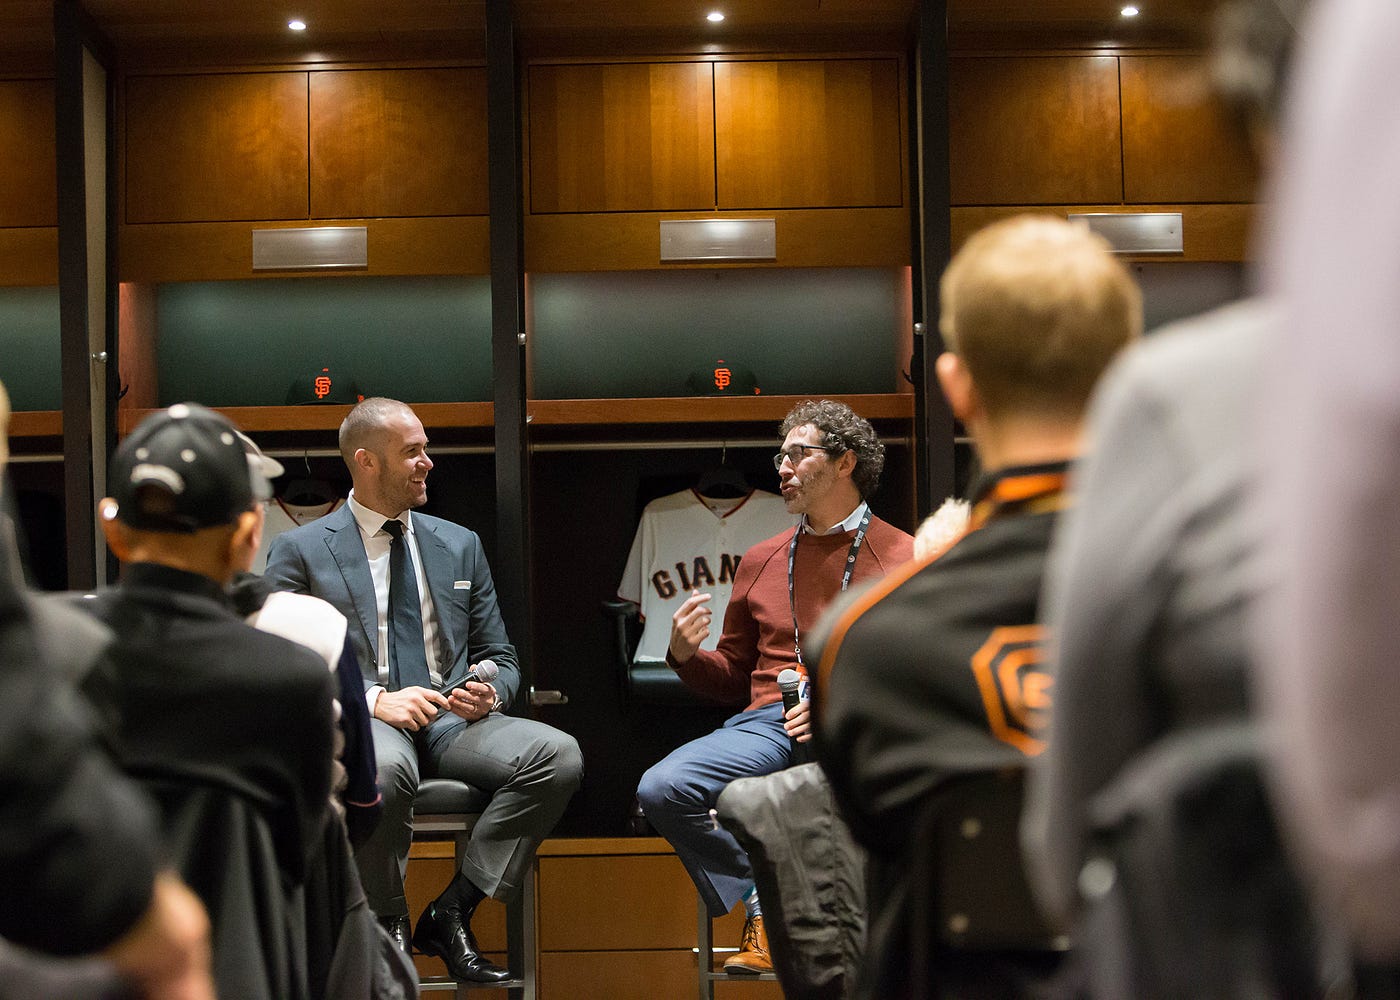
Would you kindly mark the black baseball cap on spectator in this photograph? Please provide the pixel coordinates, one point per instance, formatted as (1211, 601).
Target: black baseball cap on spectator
(186, 468)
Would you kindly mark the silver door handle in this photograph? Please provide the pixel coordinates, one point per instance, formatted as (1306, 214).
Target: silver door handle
(538, 697)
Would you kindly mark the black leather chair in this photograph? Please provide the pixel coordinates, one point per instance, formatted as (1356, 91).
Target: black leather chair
(956, 916)
(644, 681)
(444, 807)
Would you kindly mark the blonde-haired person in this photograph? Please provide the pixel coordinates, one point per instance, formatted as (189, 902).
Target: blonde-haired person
(1034, 309)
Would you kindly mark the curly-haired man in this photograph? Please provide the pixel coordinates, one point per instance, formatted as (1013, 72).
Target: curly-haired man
(828, 467)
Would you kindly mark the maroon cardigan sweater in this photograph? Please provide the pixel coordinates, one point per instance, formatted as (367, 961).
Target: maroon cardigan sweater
(757, 642)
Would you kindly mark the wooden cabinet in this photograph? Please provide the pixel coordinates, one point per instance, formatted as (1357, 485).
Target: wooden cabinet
(335, 144)
(609, 143)
(431, 866)
(1178, 144)
(28, 186)
(1098, 133)
(207, 156)
(398, 143)
(627, 137)
(28, 189)
(817, 133)
(639, 137)
(1034, 130)
(216, 147)
(617, 922)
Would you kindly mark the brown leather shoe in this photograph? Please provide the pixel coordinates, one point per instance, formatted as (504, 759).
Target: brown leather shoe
(752, 957)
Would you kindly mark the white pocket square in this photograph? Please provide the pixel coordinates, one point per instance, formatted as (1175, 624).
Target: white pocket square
(461, 585)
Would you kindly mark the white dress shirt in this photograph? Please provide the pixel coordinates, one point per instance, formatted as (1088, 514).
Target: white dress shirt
(377, 542)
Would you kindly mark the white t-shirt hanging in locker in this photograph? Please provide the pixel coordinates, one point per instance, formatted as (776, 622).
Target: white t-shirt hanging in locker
(687, 541)
(280, 516)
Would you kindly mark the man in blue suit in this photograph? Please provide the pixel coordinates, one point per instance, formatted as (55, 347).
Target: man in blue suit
(423, 619)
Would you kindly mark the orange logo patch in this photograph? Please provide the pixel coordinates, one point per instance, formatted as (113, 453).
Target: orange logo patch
(1015, 690)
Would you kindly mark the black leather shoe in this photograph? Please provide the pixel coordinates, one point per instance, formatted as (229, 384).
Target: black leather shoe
(443, 933)
(398, 930)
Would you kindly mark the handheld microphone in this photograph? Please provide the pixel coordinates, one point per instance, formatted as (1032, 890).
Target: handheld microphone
(484, 672)
(790, 684)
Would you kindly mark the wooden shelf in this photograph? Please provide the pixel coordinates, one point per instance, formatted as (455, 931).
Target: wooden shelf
(704, 409)
(326, 418)
(36, 423)
(543, 413)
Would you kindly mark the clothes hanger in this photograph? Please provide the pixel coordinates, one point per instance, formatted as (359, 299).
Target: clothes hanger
(308, 491)
(722, 481)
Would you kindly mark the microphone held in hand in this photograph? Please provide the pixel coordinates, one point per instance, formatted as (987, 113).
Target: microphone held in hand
(484, 673)
(790, 684)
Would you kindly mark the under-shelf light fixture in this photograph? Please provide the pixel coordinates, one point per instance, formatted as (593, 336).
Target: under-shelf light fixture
(715, 16)
(1129, 11)
(297, 25)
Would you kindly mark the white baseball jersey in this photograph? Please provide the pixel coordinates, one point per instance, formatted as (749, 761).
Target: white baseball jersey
(687, 541)
(279, 516)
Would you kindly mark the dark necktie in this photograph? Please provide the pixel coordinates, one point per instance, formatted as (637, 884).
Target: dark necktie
(408, 663)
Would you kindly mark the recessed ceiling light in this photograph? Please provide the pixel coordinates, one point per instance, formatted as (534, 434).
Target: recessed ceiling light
(1129, 11)
(297, 25)
(715, 16)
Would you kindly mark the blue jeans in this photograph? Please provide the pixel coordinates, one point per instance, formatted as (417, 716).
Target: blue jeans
(678, 793)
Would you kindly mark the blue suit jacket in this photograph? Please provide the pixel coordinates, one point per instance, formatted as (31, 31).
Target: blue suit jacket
(327, 558)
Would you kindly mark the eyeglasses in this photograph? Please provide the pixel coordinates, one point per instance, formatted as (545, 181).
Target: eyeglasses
(795, 453)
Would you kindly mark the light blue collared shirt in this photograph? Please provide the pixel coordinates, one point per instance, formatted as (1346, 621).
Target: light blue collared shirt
(851, 523)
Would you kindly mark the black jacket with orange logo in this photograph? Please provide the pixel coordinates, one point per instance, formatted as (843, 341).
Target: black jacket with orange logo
(934, 673)
(937, 670)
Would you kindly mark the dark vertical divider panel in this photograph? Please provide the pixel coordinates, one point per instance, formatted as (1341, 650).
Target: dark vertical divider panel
(511, 568)
(933, 421)
(74, 38)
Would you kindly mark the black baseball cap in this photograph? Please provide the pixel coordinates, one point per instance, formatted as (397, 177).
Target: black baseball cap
(723, 379)
(321, 385)
(186, 468)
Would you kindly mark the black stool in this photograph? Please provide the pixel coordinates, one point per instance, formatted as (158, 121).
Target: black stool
(445, 806)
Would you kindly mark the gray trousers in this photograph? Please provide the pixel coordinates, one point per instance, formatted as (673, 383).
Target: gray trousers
(530, 769)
